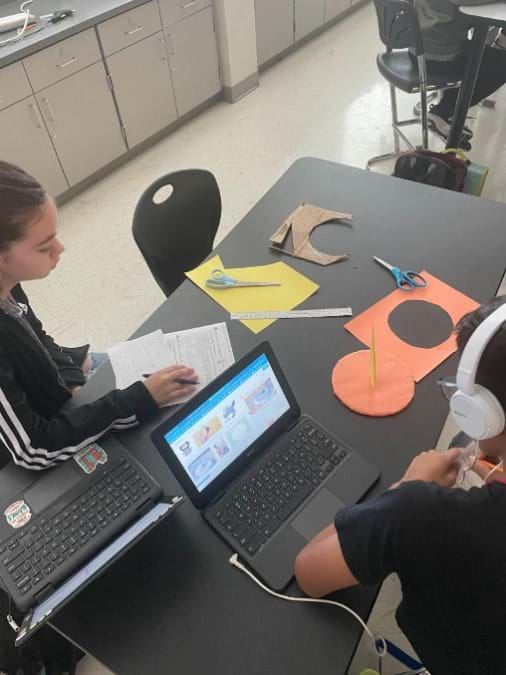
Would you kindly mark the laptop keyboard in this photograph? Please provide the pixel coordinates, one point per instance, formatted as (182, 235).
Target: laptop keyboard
(260, 505)
(32, 557)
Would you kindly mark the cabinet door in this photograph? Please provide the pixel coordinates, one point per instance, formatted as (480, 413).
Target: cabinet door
(274, 27)
(82, 120)
(309, 15)
(24, 141)
(193, 57)
(141, 80)
(335, 7)
(14, 85)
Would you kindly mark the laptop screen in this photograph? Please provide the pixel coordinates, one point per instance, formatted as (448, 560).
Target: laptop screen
(216, 433)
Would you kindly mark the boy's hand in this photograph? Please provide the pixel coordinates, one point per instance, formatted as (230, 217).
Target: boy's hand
(432, 466)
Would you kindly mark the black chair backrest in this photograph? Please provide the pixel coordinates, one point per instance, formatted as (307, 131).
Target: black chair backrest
(398, 25)
(175, 235)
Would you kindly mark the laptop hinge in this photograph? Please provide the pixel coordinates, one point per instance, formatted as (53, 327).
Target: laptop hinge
(44, 593)
(218, 497)
(145, 507)
(293, 424)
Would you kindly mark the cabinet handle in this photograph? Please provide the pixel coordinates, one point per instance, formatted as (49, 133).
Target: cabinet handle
(134, 30)
(36, 114)
(164, 50)
(170, 39)
(49, 109)
(188, 4)
(68, 63)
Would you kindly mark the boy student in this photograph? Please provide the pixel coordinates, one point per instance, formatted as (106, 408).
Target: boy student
(448, 546)
(445, 39)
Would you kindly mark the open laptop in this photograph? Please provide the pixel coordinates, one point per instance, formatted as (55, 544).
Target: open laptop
(265, 478)
(61, 528)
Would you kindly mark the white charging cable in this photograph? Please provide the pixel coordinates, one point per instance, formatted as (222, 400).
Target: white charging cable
(496, 467)
(380, 649)
(22, 30)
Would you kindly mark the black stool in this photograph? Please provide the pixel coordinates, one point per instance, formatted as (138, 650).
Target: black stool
(403, 66)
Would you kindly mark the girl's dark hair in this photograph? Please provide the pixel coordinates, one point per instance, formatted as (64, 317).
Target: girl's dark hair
(492, 369)
(20, 198)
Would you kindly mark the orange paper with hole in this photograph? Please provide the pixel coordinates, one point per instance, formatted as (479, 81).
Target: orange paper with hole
(418, 359)
(393, 391)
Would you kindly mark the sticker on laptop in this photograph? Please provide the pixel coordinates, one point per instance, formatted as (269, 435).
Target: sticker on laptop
(17, 514)
(90, 457)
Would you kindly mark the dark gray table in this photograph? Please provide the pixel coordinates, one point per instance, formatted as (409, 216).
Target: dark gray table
(173, 604)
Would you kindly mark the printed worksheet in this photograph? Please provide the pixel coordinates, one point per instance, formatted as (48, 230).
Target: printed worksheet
(207, 349)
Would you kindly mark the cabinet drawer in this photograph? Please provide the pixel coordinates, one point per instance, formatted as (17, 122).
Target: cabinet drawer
(130, 27)
(175, 10)
(68, 56)
(14, 85)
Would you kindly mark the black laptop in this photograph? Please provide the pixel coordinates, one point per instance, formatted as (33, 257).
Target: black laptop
(265, 478)
(61, 528)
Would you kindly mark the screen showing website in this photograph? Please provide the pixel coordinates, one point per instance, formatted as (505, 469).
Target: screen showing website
(214, 435)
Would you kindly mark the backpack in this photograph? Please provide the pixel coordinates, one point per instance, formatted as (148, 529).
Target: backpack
(439, 169)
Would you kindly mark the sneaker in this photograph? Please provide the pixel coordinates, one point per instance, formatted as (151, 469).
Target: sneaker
(441, 127)
(417, 109)
(500, 41)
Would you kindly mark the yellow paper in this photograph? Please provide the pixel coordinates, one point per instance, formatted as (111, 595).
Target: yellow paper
(294, 289)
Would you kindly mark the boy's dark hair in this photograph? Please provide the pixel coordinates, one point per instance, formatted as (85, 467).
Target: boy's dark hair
(20, 198)
(492, 369)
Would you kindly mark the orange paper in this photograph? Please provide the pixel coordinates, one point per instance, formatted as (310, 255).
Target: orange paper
(393, 391)
(418, 359)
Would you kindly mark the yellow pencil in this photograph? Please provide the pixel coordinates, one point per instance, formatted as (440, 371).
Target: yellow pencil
(372, 359)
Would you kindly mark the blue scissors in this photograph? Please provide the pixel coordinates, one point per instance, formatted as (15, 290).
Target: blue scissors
(220, 280)
(404, 280)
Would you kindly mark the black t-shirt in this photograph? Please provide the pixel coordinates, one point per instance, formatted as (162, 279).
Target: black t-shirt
(449, 549)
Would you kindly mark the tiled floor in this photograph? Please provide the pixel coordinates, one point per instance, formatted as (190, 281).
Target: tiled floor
(325, 100)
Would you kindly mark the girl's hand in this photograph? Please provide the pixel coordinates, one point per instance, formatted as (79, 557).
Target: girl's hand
(163, 388)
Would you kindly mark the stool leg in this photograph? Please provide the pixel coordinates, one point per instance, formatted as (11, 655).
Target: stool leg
(395, 116)
(423, 101)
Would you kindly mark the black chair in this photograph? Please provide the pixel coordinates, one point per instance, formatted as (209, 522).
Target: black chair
(176, 233)
(403, 66)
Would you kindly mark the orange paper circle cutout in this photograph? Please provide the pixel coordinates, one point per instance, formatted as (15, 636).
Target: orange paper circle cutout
(394, 389)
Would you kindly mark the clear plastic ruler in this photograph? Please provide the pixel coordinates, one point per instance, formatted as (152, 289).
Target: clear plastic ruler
(294, 314)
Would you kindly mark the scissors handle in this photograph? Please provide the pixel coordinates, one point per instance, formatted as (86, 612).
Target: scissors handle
(407, 280)
(220, 280)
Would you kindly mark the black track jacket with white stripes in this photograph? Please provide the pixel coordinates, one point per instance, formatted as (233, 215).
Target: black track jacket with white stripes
(34, 432)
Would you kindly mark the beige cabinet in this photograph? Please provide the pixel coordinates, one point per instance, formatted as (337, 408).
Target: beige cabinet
(62, 59)
(83, 123)
(130, 27)
(177, 10)
(193, 59)
(14, 85)
(274, 27)
(334, 8)
(142, 87)
(309, 15)
(24, 140)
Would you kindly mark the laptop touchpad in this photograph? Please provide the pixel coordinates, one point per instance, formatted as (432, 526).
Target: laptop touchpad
(52, 484)
(319, 513)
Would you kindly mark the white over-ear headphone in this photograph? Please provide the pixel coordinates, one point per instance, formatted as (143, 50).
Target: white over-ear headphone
(475, 409)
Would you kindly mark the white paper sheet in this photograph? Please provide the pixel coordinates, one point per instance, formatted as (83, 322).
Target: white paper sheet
(206, 349)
